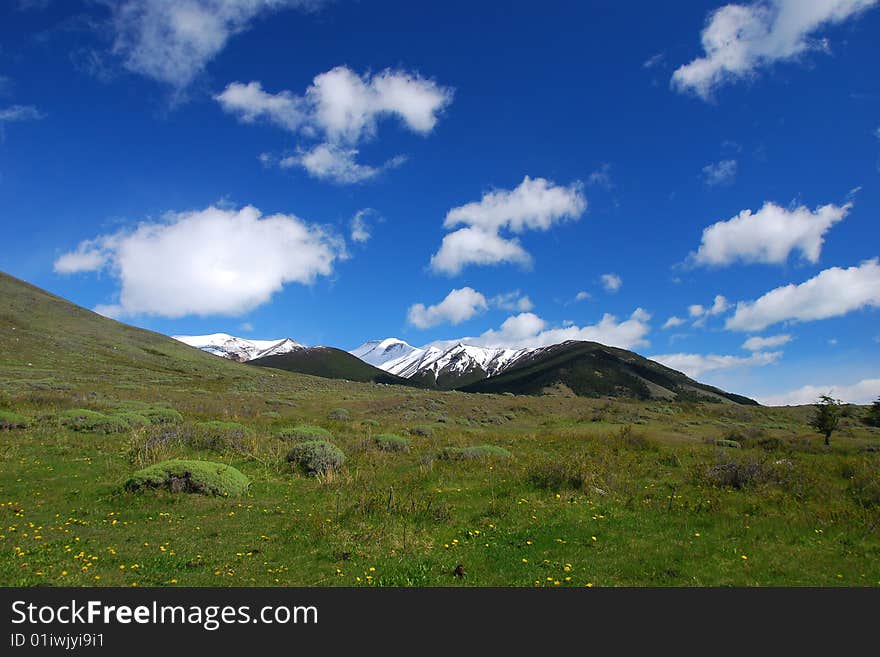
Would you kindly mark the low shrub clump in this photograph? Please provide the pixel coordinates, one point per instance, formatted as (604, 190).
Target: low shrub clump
(162, 415)
(132, 419)
(474, 453)
(304, 432)
(316, 457)
(217, 434)
(190, 476)
(81, 419)
(339, 414)
(389, 442)
(864, 480)
(556, 475)
(10, 420)
(724, 442)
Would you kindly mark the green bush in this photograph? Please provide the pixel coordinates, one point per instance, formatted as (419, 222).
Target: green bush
(217, 434)
(864, 480)
(422, 431)
(339, 414)
(162, 415)
(724, 442)
(190, 476)
(132, 419)
(10, 420)
(473, 453)
(304, 432)
(389, 442)
(316, 457)
(556, 475)
(373, 424)
(82, 419)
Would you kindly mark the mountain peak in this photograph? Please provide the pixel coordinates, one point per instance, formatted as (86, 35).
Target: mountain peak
(240, 349)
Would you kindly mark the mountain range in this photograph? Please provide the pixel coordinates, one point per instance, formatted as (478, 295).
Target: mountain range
(581, 368)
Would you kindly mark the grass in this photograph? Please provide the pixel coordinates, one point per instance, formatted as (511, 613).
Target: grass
(601, 492)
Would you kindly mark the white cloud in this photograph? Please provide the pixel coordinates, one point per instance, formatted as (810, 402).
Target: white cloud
(246, 326)
(360, 229)
(329, 162)
(862, 392)
(475, 246)
(173, 40)
(458, 306)
(831, 293)
(341, 109)
(16, 113)
(757, 343)
(672, 322)
(769, 235)
(720, 173)
(696, 364)
(696, 310)
(701, 313)
(601, 177)
(653, 60)
(583, 295)
(535, 204)
(739, 40)
(611, 282)
(209, 262)
(530, 330)
(512, 301)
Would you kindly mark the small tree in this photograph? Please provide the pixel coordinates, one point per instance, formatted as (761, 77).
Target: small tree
(873, 416)
(826, 416)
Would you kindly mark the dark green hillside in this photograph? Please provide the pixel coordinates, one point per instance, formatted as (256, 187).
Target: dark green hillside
(43, 337)
(331, 363)
(590, 369)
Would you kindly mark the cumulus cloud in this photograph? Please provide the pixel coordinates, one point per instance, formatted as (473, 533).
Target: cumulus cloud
(16, 113)
(341, 109)
(757, 343)
(672, 322)
(214, 261)
(611, 282)
(458, 306)
(535, 204)
(601, 177)
(719, 173)
(768, 235)
(173, 40)
(740, 40)
(831, 293)
(530, 330)
(583, 295)
(512, 301)
(696, 364)
(701, 313)
(861, 392)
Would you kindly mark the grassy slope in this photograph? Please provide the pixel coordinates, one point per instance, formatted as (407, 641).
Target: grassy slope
(590, 369)
(330, 363)
(639, 511)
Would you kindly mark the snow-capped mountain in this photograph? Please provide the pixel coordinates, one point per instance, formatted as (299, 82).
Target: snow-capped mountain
(445, 367)
(240, 349)
(378, 352)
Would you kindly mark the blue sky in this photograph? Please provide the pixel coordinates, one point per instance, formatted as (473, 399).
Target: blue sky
(524, 174)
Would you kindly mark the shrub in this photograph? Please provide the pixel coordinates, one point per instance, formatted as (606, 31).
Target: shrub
(304, 432)
(555, 475)
(741, 473)
(339, 414)
(628, 438)
(81, 419)
(389, 442)
(423, 431)
(132, 419)
(10, 420)
(162, 415)
(217, 434)
(724, 442)
(316, 457)
(190, 476)
(864, 481)
(473, 453)
(370, 423)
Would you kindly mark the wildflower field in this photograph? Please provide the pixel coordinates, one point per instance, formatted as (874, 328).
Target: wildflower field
(431, 489)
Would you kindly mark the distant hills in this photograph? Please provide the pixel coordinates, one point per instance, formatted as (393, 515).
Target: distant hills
(586, 369)
(330, 363)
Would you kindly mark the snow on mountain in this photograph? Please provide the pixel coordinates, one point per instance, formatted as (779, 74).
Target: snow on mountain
(240, 349)
(379, 352)
(457, 361)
